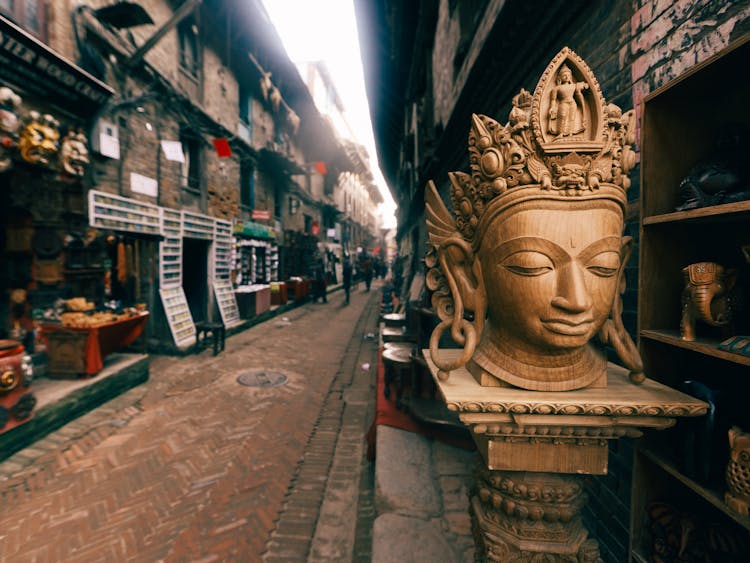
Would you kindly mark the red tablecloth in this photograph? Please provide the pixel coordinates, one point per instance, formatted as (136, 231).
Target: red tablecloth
(104, 339)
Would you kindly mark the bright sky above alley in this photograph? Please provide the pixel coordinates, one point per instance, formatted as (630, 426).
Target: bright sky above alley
(327, 30)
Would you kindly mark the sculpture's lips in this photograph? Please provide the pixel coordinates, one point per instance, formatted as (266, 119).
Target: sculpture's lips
(568, 327)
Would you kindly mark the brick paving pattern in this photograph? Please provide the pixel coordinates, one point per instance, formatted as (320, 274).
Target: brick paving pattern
(192, 466)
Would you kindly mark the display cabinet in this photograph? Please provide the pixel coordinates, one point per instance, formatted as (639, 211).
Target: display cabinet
(693, 130)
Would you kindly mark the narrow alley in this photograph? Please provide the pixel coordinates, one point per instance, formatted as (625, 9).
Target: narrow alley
(194, 466)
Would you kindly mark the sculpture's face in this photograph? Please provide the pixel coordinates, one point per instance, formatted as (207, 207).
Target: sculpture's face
(551, 276)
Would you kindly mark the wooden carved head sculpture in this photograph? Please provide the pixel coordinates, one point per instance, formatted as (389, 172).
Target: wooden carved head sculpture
(532, 266)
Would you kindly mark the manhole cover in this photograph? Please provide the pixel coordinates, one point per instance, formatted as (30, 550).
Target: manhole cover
(262, 379)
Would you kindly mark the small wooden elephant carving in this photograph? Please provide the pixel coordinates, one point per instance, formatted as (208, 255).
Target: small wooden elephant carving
(738, 471)
(706, 296)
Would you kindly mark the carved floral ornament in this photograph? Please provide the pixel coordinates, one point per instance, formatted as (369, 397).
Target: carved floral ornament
(531, 264)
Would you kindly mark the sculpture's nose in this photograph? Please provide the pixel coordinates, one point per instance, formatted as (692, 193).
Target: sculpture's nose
(572, 294)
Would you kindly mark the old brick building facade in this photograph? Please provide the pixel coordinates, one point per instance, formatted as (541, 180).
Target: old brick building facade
(205, 129)
(473, 57)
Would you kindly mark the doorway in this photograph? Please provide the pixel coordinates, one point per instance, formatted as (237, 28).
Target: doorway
(195, 277)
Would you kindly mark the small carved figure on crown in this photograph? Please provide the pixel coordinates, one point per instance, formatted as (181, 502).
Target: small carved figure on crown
(566, 111)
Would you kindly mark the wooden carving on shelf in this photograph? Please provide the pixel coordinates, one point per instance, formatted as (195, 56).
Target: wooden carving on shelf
(722, 177)
(706, 296)
(738, 471)
(531, 267)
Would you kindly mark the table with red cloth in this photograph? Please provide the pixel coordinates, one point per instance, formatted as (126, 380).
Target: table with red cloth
(388, 413)
(97, 342)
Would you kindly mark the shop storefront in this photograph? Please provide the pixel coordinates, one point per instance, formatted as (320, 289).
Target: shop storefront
(51, 255)
(255, 272)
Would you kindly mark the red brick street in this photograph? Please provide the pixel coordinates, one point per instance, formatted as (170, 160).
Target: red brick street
(193, 466)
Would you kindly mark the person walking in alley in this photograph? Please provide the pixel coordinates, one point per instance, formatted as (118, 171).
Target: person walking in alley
(320, 281)
(367, 271)
(346, 275)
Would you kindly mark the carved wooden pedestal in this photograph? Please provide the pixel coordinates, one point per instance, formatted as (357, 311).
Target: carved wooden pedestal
(537, 445)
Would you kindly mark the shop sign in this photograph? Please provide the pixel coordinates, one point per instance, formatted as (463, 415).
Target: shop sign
(29, 65)
(254, 230)
(261, 214)
(315, 228)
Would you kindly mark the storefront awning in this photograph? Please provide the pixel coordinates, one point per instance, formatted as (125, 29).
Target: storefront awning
(254, 230)
(28, 65)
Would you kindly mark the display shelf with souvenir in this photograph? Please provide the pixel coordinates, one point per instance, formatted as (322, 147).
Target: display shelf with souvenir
(693, 295)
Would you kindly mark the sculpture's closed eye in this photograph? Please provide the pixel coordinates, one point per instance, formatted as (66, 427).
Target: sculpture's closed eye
(527, 263)
(604, 264)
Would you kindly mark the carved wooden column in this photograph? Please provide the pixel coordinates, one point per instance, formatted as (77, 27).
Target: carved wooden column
(536, 447)
(517, 515)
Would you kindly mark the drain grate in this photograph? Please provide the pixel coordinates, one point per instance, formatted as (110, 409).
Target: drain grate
(262, 379)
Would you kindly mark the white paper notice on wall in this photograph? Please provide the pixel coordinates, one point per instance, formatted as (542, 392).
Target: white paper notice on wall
(173, 150)
(107, 143)
(143, 185)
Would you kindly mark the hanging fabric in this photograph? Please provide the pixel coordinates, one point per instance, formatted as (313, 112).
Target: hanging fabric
(121, 266)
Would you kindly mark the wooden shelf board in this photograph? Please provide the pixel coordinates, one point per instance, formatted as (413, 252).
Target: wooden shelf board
(702, 346)
(713, 497)
(714, 211)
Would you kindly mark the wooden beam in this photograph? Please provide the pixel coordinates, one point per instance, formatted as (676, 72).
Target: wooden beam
(182, 12)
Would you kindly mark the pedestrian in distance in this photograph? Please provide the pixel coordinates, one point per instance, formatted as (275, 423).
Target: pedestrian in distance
(320, 282)
(367, 268)
(346, 275)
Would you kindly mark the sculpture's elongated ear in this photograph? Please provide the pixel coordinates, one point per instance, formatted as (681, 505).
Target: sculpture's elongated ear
(613, 331)
(453, 280)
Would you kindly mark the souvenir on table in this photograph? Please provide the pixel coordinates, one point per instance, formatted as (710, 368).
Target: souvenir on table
(707, 296)
(538, 227)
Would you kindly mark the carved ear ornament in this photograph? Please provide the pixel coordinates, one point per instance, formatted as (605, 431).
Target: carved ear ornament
(563, 143)
(446, 297)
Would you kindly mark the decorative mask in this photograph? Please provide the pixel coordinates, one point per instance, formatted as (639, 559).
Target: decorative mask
(9, 104)
(39, 139)
(74, 154)
(532, 266)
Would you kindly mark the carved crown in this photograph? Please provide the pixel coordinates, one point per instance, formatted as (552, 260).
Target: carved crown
(563, 143)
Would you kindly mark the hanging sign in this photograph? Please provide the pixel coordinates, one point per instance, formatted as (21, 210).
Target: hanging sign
(261, 214)
(36, 70)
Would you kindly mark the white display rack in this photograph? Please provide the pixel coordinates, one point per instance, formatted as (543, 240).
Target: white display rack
(109, 211)
(222, 249)
(178, 316)
(170, 249)
(195, 225)
(227, 303)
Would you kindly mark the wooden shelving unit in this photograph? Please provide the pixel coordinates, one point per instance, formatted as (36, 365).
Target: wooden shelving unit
(680, 123)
